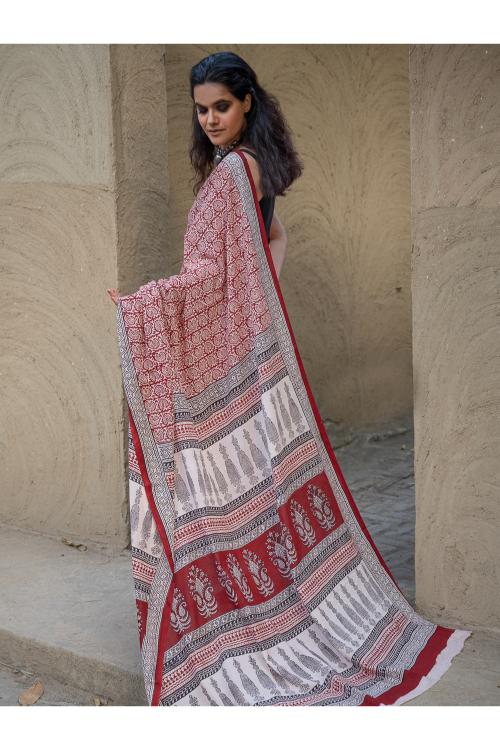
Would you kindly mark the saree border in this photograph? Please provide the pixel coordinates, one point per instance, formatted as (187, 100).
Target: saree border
(441, 644)
(159, 497)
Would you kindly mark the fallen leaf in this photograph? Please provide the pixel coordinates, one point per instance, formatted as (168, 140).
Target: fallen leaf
(31, 694)
(98, 701)
(77, 545)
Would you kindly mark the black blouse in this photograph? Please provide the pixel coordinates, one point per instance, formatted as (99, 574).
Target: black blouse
(266, 203)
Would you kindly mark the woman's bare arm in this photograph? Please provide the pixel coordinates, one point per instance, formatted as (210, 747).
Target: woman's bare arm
(277, 243)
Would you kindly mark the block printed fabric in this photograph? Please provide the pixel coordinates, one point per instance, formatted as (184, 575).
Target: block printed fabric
(256, 580)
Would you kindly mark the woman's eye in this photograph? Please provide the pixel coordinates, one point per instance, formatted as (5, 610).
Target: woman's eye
(221, 108)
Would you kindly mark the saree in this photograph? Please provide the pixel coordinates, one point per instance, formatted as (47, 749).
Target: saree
(256, 581)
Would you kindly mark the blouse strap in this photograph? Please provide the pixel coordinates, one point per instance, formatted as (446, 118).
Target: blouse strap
(243, 148)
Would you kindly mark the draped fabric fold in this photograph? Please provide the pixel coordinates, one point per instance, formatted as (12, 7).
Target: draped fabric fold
(256, 581)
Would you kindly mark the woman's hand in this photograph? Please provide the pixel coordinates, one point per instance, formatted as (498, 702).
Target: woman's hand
(114, 294)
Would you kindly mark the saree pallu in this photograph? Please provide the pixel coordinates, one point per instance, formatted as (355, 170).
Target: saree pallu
(256, 580)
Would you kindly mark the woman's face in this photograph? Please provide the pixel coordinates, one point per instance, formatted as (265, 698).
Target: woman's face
(218, 110)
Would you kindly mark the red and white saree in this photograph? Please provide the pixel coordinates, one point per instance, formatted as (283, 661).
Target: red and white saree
(256, 580)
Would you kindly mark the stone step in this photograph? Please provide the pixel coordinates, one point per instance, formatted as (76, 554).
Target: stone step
(70, 614)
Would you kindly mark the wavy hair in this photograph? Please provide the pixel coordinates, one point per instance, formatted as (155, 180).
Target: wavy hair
(266, 129)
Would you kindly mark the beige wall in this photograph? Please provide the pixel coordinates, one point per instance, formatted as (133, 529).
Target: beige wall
(142, 174)
(455, 129)
(71, 172)
(60, 378)
(94, 192)
(346, 279)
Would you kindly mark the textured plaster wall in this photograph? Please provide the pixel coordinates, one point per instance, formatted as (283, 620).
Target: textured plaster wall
(455, 128)
(60, 403)
(78, 207)
(346, 278)
(142, 164)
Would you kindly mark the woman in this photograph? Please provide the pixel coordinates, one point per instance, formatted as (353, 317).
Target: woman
(256, 580)
(231, 109)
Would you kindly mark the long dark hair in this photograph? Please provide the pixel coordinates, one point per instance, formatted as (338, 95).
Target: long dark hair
(266, 129)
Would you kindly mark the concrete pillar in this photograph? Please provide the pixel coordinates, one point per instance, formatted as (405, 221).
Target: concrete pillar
(82, 208)
(455, 137)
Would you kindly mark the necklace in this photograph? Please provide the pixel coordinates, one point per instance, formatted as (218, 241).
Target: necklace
(221, 151)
